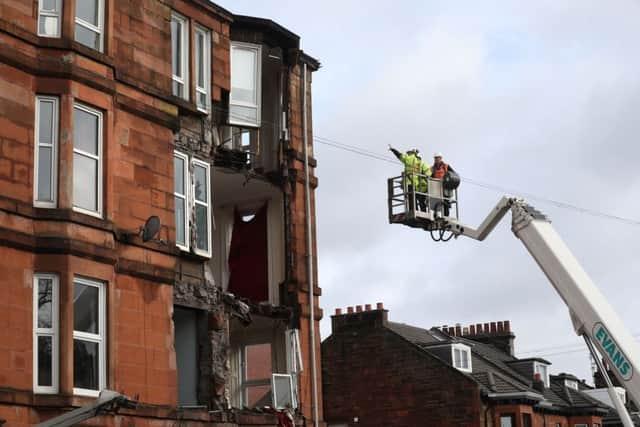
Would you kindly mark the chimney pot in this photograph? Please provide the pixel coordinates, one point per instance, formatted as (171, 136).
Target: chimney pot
(338, 311)
(465, 331)
(367, 307)
(458, 330)
(500, 327)
(493, 327)
(349, 310)
(487, 328)
(379, 306)
(478, 328)
(472, 329)
(358, 308)
(507, 326)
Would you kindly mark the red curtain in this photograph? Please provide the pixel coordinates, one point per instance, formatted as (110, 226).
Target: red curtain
(248, 267)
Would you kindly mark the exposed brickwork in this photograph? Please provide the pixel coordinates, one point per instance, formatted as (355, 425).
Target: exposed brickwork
(130, 83)
(373, 374)
(387, 374)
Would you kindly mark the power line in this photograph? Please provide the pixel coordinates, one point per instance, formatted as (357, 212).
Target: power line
(559, 349)
(488, 186)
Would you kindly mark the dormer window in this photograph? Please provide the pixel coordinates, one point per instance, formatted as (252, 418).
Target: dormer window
(461, 357)
(571, 384)
(543, 370)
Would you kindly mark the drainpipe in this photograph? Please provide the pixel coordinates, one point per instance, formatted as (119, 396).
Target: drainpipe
(307, 205)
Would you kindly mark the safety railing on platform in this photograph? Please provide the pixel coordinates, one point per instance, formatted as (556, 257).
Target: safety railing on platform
(408, 205)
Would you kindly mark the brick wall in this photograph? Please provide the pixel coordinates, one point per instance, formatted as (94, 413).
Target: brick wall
(296, 234)
(371, 373)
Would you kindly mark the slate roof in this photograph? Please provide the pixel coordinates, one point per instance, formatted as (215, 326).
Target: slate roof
(492, 372)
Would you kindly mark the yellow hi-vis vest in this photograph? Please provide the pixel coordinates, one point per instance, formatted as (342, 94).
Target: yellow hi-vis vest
(413, 166)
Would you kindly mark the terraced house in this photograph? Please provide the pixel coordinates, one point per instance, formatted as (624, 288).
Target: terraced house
(446, 377)
(157, 215)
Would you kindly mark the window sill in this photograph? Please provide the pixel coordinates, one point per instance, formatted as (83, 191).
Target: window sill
(187, 107)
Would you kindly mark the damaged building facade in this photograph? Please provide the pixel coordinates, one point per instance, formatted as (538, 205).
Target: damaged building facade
(153, 214)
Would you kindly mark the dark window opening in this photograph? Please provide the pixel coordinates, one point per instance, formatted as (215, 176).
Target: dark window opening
(186, 346)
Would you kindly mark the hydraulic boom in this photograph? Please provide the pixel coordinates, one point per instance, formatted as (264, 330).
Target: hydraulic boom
(591, 314)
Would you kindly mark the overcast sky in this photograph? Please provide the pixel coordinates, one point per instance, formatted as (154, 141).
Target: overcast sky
(541, 97)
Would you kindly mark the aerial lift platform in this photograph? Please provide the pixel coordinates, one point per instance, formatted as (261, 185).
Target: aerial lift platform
(592, 316)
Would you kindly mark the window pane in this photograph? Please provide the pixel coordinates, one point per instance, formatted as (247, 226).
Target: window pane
(202, 228)
(178, 89)
(176, 47)
(202, 100)
(180, 232)
(44, 174)
(456, 361)
(506, 422)
(178, 171)
(85, 308)
(200, 176)
(200, 59)
(258, 361)
(45, 362)
(243, 114)
(45, 298)
(87, 37)
(243, 75)
(85, 182)
(87, 10)
(45, 127)
(283, 392)
(259, 396)
(48, 5)
(85, 131)
(48, 25)
(86, 364)
(464, 360)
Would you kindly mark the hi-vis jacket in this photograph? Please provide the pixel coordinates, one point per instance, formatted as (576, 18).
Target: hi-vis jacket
(412, 166)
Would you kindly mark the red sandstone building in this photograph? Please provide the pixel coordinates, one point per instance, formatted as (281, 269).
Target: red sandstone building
(381, 373)
(112, 112)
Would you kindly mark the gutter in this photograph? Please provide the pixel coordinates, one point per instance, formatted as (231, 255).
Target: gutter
(310, 272)
(517, 395)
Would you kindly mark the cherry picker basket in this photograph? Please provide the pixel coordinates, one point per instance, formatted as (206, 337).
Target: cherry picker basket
(431, 210)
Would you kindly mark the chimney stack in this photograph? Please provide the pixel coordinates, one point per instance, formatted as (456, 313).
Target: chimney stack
(497, 334)
(357, 318)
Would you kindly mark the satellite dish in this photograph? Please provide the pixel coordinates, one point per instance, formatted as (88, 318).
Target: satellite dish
(150, 228)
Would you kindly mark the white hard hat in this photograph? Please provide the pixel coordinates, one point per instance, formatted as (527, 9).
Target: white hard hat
(437, 154)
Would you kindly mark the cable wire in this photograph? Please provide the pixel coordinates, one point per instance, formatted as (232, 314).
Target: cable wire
(488, 186)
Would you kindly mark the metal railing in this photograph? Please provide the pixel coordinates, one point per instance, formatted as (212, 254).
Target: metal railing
(408, 205)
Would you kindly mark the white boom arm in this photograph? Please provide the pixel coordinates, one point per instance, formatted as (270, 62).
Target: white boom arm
(592, 316)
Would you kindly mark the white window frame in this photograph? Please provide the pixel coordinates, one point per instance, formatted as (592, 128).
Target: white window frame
(52, 332)
(57, 13)
(54, 152)
(274, 394)
(463, 349)
(244, 383)
(99, 338)
(208, 204)
(97, 157)
(572, 384)
(184, 57)
(89, 26)
(545, 377)
(206, 56)
(257, 49)
(187, 185)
